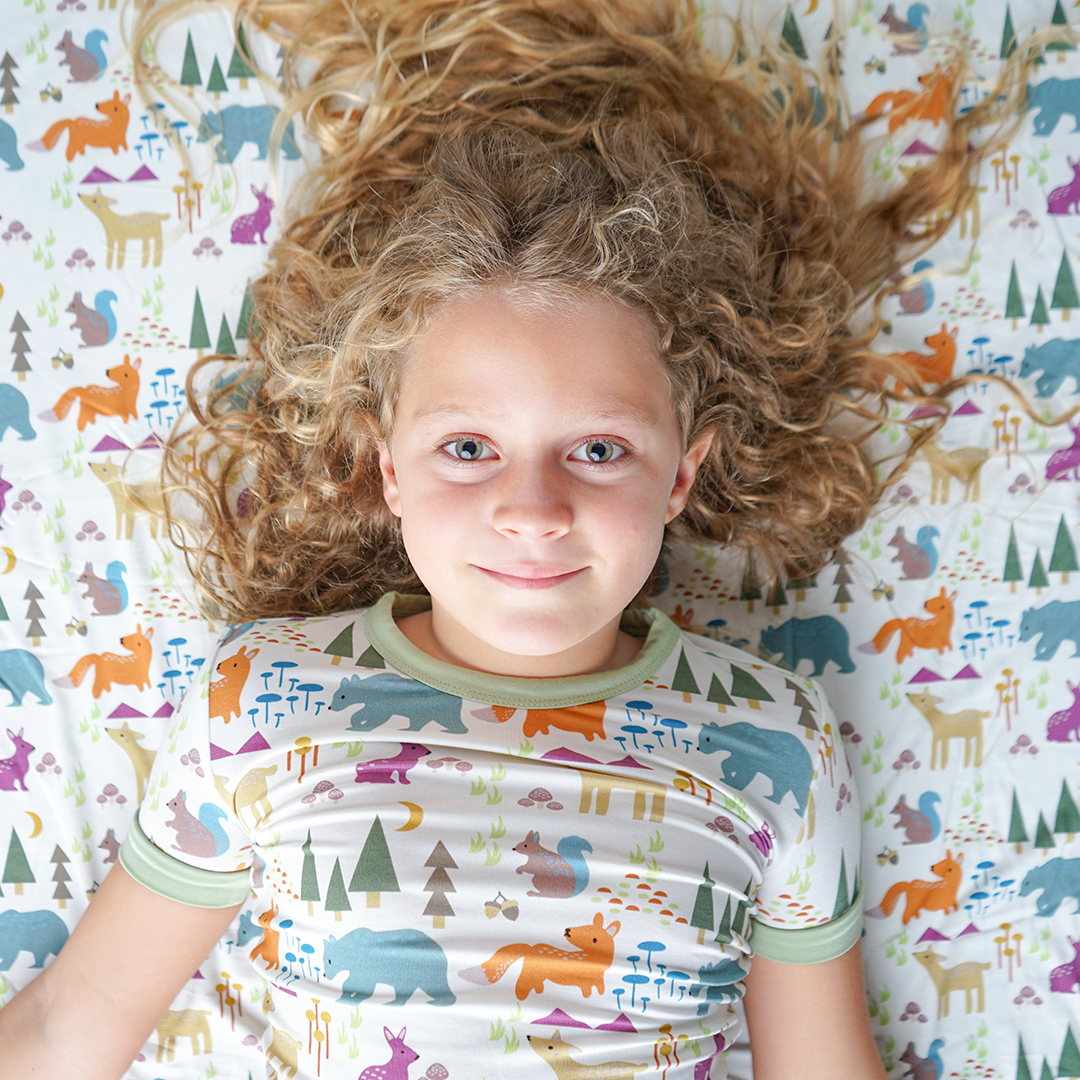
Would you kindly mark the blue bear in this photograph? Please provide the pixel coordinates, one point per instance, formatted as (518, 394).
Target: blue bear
(407, 960)
(239, 124)
(1054, 98)
(1059, 879)
(9, 149)
(719, 983)
(779, 755)
(15, 412)
(820, 639)
(1058, 621)
(39, 932)
(21, 673)
(385, 695)
(1057, 359)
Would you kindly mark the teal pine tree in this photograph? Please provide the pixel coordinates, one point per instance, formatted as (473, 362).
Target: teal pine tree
(189, 71)
(17, 870)
(225, 344)
(777, 598)
(1017, 832)
(742, 913)
(843, 900)
(1060, 47)
(216, 84)
(374, 873)
(1044, 838)
(684, 681)
(341, 646)
(1064, 296)
(1013, 571)
(702, 917)
(744, 685)
(247, 309)
(337, 899)
(1038, 580)
(1063, 557)
(1023, 1072)
(1067, 818)
(4, 616)
(1014, 302)
(791, 36)
(1008, 37)
(750, 589)
(1069, 1065)
(1046, 1073)
(1039, 315)
(718, 695)
(238, 62)
(309, 881)
(723, 931)
(199, 338)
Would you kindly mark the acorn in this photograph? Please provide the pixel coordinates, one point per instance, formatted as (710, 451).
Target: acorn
(491, 908)
(510, 910)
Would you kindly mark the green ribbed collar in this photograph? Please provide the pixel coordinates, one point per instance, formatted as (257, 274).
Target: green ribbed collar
(659, 631)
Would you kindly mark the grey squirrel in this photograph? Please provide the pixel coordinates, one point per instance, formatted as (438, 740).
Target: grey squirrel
(559, 874)
(109, 594)
(922, 825)
(98, 324)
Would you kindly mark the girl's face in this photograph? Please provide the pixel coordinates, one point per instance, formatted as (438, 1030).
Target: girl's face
(534, 462)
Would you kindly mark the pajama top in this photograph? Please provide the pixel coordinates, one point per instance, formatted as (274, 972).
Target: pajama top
(477, 877)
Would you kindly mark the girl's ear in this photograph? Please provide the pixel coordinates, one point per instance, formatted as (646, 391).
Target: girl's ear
(684, 477)
(391, 492)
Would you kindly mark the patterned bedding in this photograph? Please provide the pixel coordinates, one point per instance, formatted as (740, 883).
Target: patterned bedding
(945, 633)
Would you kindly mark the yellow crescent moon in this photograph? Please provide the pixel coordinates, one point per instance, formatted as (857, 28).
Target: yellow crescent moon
(812, 7)
(37, 823)
(10, 560)
(416, 815)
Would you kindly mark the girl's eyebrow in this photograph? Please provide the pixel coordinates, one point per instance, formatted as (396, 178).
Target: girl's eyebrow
(640, 416)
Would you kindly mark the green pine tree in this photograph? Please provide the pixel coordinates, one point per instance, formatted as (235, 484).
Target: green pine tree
(1044, 838)
(1038, 580)
(238, 62)
(1013, 571)
(744, 685)
(702, 917)
(309, 881)
(777, 598)
(370, 658)
(750, 589)
(199, 337)
(723, 932)
(247, 311)
(1069, 1065)
(843, 899)
(791, 36)
(1067, 818)
(1022, 1070)
(225, 344)
(1060, 47)
(1008, 36)
(1039, 315)
(17, 870)
(1064, 296)
(1014, 302)
(341, 646)
(189, 71)
(337, 899)
(216, 84)
(1017, 831)
(684, 681)
(1063, 557)
(374, 872)
(718, 695)
(1046, 1074)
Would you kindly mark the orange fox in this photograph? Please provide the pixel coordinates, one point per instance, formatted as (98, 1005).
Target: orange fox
(929, 104)
(925, 895)
(109, 668)
(932, 633)
(84, 132)
(587, 720)
(268, 947)
(937, 366)
(583, 968)
(119, 400)
(225, 692)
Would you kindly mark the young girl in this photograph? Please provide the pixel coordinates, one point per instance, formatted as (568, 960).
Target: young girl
(564, 286)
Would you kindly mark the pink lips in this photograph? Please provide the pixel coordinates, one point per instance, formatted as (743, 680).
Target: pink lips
(531, 577)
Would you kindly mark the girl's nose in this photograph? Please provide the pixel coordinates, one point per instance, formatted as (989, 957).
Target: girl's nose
(532, 502)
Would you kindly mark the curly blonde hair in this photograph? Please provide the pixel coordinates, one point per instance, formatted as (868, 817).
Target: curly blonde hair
(569, 146)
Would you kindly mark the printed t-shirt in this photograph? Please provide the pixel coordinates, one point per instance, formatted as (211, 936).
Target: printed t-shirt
(484, 877)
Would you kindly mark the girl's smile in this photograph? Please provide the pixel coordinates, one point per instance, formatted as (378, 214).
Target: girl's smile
(534, 462)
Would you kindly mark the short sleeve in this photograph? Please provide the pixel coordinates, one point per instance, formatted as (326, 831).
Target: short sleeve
(808, 908)
(186, 842)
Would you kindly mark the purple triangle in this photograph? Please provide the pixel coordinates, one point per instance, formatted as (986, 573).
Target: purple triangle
(557, 1018)
(969, 408)
(99, 176)
(971, 928)
(165, 711)
(967, 672)
(151, 442)
(918, 147)
(255, 743)
(932, 935)
(924, 411)
(109, 443)
(125, 712)
(620, 1023)
(564, 753)
(198, 975)
(630, 763)
(216, 752)
(925, 675)
(141, 173)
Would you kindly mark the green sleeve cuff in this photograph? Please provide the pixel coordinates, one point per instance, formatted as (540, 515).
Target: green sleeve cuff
(176, 880)
(810, 944)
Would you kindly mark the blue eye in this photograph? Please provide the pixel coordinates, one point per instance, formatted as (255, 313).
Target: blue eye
(598, 452)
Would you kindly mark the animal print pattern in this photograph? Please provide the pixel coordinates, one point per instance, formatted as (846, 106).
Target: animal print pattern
(987, 514)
